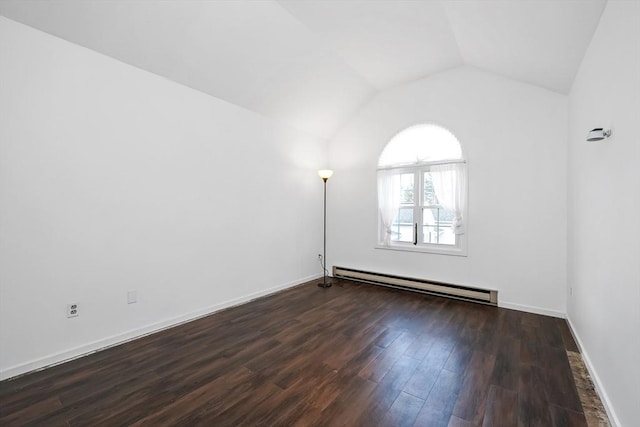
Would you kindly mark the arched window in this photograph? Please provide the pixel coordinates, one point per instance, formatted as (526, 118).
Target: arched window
(422, 191)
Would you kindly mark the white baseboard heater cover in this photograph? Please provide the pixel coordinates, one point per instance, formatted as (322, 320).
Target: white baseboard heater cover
(485, 296)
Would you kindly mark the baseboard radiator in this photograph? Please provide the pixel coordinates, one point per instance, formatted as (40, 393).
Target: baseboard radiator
(467, 293)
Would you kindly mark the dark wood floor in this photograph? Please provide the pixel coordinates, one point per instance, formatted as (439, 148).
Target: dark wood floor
(353, 354)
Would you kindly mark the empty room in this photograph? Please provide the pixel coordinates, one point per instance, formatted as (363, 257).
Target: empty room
(319, 213)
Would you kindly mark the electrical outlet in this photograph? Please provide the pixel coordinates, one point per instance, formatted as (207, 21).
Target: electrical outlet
(72, 310)
(132, 297)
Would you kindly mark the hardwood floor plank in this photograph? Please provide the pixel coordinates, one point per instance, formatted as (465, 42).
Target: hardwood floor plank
(552, 336)
(509, 324)
(533, 409)
(379, 367)
(31, 412)
(422, 381)
(221, 410)
(403, 412)
(459, 358)
(425, 376)
(459, 422)
(208, 394)
(439, 405)
(388, 390)
(347, 407)
(506, 370)
(470, 405)
(533, 347)
(94, 404)
(299, 367)
(420, 347)
(562, 417)
(567, 337)
(502, 408)
(467, 338)
(351, 346)
(361, 359)
(388, 337)
(560, 385)
(282, 403)
(131, 408)
(317, 397)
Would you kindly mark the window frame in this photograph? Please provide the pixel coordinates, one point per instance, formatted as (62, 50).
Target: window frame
(418, 170)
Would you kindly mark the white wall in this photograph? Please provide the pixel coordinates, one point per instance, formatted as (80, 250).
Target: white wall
(113, 179)
(604, 210)
(514, 138)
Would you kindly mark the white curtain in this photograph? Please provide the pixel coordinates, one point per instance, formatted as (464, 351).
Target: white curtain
(388, 202)
(449, 183)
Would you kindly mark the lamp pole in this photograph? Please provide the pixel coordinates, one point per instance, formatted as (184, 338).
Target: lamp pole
(325, 174)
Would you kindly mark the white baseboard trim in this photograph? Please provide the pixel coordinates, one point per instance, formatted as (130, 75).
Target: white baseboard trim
(531, 309)
(104, 343)
(613, 418)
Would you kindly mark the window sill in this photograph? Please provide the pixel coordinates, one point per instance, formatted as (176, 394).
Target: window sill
(451, 250)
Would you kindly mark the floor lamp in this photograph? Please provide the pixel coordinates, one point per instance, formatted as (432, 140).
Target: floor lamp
(325, 174)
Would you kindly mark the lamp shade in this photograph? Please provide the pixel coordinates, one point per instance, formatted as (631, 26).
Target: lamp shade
(325, 173)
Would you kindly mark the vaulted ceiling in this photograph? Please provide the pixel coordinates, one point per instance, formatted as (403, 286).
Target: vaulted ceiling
(312, 64)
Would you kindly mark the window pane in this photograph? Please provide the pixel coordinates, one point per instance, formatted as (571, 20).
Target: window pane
(402, 230)
(406, 189)
(436, 226)
(429, 194)
(420, 143)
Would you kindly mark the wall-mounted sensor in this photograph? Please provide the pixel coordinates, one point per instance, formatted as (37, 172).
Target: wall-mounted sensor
(598, 134)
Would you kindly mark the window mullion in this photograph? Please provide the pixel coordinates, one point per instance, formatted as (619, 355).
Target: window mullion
(419, 203)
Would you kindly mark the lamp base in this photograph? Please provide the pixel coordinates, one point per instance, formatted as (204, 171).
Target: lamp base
(323, 284)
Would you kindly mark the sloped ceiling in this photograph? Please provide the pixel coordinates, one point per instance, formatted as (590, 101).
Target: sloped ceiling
(312, 64)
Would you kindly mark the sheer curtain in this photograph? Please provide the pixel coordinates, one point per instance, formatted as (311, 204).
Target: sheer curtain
(388, 202)
(449, 181)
